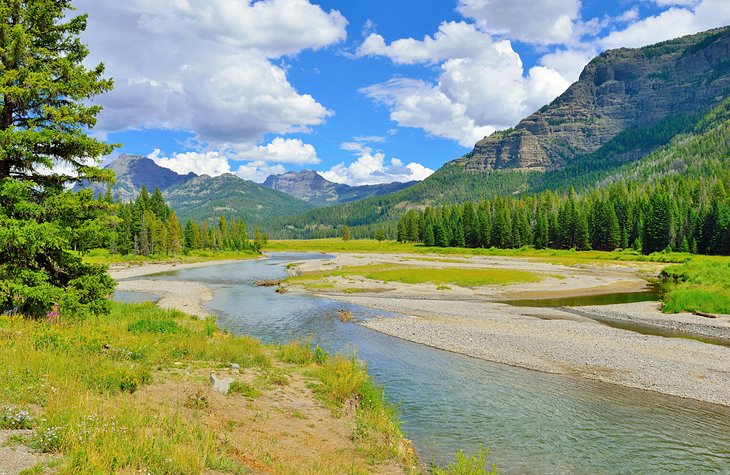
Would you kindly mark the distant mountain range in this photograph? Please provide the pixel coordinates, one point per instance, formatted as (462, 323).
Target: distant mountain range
(311, 187)
(207, 198)
(627, 104)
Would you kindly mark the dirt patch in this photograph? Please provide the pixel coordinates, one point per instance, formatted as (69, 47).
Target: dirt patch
(285, 429)
(15, 458)
(612, 288)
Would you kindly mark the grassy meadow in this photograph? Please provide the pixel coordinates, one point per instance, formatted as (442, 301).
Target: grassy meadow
(413, 274)
(700, 284)
(130, 393)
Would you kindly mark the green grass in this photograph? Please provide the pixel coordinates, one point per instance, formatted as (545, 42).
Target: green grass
(406, 274)
(77, 385)
(701, 284)
(392, 247)
(475, 464)
(78, 379)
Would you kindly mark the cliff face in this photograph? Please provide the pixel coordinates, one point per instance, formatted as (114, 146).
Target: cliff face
(306, 185)
(620, 89)
(133, 171)
(311, 187)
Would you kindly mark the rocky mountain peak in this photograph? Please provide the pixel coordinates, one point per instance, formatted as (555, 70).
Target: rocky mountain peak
(618, 90)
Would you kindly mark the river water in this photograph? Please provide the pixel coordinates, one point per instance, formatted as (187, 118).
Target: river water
(533, 423)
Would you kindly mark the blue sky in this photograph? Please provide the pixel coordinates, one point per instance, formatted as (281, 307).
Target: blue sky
(362, 91)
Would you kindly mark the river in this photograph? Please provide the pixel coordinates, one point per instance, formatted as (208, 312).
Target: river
(533, 423)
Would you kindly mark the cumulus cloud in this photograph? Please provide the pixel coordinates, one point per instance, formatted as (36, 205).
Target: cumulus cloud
(569, 63)
(254, 163)
(370, 168)
(454, 39)
(258, 171)
(683, 18)
(482, 86)
(211, 163)
(531, 21)
(281, 150)
(415, 103)
(206, 65)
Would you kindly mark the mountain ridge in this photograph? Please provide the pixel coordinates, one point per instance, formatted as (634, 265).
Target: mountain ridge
(619, 89)
(310, 186)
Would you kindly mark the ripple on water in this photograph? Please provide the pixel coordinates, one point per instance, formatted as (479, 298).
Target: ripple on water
(532, 422)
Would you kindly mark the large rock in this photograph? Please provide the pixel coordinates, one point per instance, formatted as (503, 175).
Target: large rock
(618, 90)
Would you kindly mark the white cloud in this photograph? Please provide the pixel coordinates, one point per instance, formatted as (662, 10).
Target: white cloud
(569, 63)
(481, 87)
(205, 65)
(414, 103)
(211, 163)
(454, 39)
(532, 21)
(371, 169)
(281, 150)
(671, 23)
(259, 171)
(669, 3)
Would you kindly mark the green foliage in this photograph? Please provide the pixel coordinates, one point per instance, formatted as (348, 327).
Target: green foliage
(475, 464)
(700, 284)
(45, 90)
(36, 270)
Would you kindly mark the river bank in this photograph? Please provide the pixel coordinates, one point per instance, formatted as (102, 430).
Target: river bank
(187, 297)
(470, 321)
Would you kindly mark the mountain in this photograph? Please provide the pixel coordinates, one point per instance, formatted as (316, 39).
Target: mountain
(134, 171)
(201, 197)
(627, 104)
(310, 186)
(209, 198)
(619, 90)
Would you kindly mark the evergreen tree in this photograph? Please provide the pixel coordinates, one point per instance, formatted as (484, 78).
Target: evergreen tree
(45, 93)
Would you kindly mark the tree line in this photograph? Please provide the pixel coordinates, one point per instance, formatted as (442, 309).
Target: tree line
(147, 225)
(674, 215)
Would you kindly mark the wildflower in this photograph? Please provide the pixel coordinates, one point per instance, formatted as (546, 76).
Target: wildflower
(54, 316)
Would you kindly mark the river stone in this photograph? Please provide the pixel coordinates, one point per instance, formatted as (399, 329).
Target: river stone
(221, 385)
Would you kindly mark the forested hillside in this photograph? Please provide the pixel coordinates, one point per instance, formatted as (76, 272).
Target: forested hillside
(677, 198)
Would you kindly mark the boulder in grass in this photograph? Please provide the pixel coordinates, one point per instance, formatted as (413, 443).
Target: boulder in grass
(221, 385)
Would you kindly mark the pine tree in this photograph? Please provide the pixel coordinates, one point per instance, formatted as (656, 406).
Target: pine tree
(45, 95)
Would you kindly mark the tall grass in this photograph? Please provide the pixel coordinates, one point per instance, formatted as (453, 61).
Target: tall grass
(701, 284)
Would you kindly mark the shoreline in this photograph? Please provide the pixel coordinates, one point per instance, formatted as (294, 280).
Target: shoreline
(185, 296)
(473, 322)
(470, 322)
